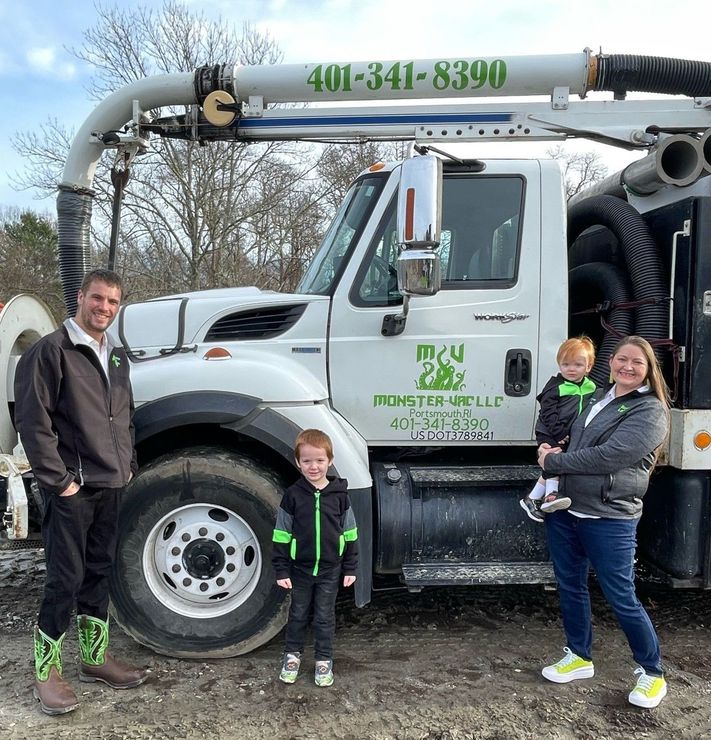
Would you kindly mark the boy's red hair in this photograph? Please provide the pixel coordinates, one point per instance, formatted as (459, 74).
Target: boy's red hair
(315, 438)
(576, 347)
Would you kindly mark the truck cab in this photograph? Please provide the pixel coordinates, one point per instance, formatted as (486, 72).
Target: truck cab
(466, 368)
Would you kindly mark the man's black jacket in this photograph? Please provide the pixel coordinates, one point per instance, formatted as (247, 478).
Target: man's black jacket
(75, 426)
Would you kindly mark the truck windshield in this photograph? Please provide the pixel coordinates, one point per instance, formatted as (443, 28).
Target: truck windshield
(329, 260)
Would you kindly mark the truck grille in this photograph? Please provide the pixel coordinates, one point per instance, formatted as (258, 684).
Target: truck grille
(260, 323)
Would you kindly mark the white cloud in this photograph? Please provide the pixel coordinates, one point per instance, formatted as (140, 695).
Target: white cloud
(43, 60)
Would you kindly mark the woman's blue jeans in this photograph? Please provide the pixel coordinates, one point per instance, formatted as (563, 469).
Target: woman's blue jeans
(608, 545)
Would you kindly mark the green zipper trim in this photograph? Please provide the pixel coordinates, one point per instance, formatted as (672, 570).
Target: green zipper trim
(317, 515)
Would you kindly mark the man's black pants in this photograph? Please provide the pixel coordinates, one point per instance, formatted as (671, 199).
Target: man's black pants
(320, 592)
(79, 534)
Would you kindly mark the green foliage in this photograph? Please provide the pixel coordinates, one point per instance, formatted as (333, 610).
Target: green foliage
(28, 259)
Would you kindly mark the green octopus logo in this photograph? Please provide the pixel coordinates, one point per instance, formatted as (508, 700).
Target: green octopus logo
(439, 368)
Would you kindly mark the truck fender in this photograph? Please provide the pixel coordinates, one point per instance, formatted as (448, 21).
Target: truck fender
(235, 411)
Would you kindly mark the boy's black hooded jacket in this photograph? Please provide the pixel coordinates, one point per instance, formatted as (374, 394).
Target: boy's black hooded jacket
(315, 530)
(561, 402)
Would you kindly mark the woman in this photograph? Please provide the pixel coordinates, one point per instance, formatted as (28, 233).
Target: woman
(605, 471)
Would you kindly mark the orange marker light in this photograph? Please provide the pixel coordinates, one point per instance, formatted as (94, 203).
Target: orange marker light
(375, 167)
(410, 214)
(702, 440)
(216, 353)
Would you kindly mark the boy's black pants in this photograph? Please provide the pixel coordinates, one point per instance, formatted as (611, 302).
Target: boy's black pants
(320, 592)
(79, 534)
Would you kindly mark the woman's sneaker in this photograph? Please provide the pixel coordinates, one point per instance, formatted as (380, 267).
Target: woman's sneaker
(323, 675)
(649, 691)
(290, 667)
(554, 502)
(569, 668)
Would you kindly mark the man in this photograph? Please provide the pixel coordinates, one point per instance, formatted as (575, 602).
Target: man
(73, 411)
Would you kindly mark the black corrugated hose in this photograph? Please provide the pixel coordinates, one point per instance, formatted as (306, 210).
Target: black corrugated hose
(610, 282)
(641, 256)
(73, 222)
(621, 73)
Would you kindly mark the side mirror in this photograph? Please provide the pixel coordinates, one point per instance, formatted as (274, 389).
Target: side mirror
(419, 202)
(419, 223)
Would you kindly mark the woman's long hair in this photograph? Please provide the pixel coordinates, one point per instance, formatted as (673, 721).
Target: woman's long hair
(655, 380)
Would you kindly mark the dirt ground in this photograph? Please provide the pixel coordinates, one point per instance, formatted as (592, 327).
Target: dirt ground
(439, 665)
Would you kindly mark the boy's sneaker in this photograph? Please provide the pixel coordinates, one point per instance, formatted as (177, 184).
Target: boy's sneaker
(569, 668)
(532, 508)
(290, 667)
(324, 673)
(649, 691)
(554, 502)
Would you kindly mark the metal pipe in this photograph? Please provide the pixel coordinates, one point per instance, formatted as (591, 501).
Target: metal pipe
(610, 185)
(677, 160)
(74, 202)
(705, 146)
(417, 78)
(112, 113)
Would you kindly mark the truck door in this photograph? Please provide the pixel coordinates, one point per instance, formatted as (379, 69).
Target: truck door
(464, 369)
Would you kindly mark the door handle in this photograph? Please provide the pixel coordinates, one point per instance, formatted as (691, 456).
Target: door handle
(517, 372)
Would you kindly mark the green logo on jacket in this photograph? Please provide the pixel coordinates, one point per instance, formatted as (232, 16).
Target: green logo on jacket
(622, 408)
(115, 360)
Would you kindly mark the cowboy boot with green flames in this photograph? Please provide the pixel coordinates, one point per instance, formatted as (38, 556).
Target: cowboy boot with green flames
(54, 694)
(97, 664)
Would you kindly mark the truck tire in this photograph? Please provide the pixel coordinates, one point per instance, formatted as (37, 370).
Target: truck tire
(192, 576)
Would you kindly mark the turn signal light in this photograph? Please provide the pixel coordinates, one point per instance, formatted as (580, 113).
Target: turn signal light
(702, 440)
(216, 353)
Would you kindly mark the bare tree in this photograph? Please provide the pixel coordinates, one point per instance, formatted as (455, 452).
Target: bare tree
(186, 206)
(340, 164)
(580, 169)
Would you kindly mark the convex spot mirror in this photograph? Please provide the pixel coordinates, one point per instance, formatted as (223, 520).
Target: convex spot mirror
(418, 272)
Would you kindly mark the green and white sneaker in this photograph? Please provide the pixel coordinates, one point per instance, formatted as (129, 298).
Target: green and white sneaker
(569, 668)
(323, 675)
(649, 691)
(290, 667)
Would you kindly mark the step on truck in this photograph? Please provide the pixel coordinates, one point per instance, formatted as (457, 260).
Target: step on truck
(417, 338)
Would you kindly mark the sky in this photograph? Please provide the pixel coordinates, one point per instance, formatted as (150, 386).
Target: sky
(41, 80)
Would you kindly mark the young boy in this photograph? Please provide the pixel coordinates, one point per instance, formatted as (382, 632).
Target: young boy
(561, 402)
(315, 540)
